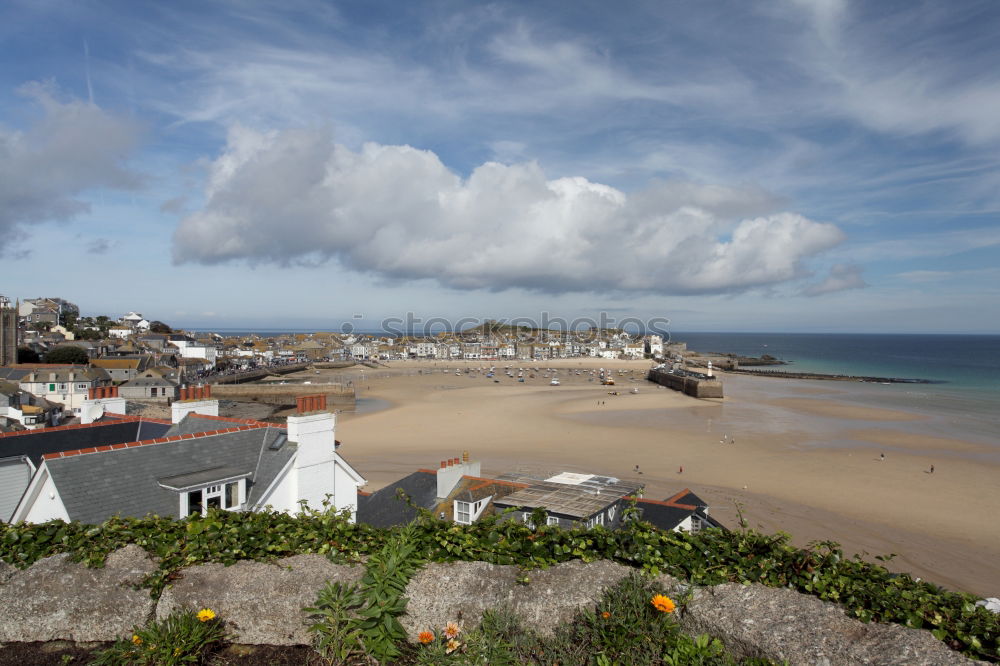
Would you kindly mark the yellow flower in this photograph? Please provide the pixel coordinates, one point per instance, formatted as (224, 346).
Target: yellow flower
(177, 652)
(425, 637)
(663, 604)
(451, 630)
(452, 646)
(137, 639)
(206, 614)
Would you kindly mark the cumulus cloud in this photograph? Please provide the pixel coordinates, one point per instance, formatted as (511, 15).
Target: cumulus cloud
(399, 213)
(73, 146)
(841, 278)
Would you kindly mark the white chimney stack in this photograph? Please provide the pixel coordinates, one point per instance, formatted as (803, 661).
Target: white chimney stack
(315, 463)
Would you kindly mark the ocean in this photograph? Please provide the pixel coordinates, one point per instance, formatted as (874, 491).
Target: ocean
(964, 402)
(961, 361)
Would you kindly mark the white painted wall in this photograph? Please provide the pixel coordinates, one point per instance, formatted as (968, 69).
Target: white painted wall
(42, 502)
(181, 408)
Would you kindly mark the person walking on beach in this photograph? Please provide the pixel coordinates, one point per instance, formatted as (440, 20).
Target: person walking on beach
(881, 457)
(932, 469)
(680, 470)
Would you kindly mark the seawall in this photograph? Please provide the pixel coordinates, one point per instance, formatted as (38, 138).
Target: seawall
(694, 386)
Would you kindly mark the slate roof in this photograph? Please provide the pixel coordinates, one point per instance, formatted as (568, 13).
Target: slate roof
(384, 509)
(671, 512)
(36, 443)
(130, 481)
(142, 382)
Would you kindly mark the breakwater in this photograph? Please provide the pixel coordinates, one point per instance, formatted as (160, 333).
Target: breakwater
(692, 384)
(842, 378)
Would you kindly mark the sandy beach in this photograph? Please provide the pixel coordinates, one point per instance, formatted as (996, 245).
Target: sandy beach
(799, 456)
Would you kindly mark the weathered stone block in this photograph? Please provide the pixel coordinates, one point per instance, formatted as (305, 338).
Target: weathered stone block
(781, 624)
(56, 599)
(463, 591)
(261, 603)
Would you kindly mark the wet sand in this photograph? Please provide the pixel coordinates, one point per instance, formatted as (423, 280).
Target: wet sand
(808, 466)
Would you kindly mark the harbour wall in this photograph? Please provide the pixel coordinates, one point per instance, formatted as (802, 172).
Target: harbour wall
(694, 386)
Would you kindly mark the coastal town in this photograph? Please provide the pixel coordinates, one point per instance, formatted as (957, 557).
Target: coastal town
(540, 426)
(79, 389)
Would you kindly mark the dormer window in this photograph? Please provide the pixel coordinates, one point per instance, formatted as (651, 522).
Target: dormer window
(218, 488)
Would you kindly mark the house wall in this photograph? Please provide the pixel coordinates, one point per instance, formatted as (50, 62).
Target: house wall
(345, 491)
(43, 502)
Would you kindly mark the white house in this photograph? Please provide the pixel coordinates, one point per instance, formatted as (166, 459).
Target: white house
(196, 463)
(69, 386)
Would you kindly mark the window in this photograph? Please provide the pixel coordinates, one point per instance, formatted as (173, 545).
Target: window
(52, 388)
(82, 387)
(219, 496)
(232, 494)
(194, 503)
(526, 516)
(462, 513)
(552, 520)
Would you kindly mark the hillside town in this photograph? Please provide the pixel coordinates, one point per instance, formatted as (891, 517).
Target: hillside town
(52, 357)
(74, 431)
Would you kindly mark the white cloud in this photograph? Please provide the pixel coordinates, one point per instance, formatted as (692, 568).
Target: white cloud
(74, 146)
(397, 212)
(841, 278)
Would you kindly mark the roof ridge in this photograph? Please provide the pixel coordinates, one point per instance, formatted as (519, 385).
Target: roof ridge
(667, 502)
(71, 426)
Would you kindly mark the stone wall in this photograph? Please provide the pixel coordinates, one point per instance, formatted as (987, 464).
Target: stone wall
(262, 605)
(695, 387)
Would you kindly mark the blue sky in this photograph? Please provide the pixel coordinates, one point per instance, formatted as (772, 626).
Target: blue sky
(793, 165)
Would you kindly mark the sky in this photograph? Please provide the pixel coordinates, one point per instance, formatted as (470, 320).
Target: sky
(796, 165)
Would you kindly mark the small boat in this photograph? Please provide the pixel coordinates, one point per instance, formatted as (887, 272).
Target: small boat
(554, 382)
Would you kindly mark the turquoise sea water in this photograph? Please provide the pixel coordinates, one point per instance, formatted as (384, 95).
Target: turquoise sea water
(964, 404)
(960, 361)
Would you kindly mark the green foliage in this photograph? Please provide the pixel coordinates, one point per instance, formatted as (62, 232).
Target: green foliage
(159, 327)
(67, 354)
(366, 615)
(180, 638)
(338, 636)
(867, 591)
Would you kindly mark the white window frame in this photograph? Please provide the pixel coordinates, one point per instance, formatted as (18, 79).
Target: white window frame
(463, 508)
(552, 520)
(211, 491)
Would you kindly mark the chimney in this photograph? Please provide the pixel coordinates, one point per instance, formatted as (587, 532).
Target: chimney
(194, 399)
(313, 431)
(451, 473)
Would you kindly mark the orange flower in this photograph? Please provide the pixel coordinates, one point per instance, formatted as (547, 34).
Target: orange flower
(425, 637)
(605, 615)
(451, 630)
(137, 639)
(663, 604)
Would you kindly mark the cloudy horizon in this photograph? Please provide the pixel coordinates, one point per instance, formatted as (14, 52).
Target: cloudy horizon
(808, 165)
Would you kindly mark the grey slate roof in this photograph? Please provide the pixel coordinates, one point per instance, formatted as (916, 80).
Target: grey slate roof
(384, 509)
(94, 487)
(37, 443)
(667, 514)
